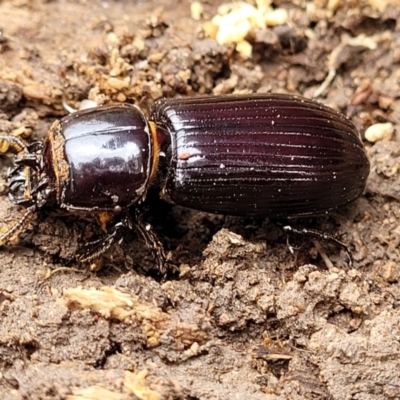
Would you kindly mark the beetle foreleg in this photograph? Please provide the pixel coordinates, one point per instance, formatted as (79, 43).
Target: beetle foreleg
(17, 226)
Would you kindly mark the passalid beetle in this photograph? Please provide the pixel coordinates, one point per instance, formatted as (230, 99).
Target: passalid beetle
(269, 155)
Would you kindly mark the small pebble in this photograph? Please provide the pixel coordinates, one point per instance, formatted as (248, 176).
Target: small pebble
(380, 131)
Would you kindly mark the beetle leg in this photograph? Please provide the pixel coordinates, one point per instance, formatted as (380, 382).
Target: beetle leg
(17, 226)
(152, 241)
(96, 248)
(321, 236)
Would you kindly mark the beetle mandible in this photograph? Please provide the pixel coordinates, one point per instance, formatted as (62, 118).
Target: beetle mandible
(270, 155)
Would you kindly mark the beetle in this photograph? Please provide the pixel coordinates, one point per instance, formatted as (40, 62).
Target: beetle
(272, 155)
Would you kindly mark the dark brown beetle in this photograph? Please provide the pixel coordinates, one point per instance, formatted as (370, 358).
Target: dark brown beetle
(268, 155)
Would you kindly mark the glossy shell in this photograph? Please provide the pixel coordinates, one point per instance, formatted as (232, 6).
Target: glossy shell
(101, 157)
(271, 155)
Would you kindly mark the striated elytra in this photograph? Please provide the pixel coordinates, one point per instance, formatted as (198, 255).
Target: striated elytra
(270, 155)
(274, 155)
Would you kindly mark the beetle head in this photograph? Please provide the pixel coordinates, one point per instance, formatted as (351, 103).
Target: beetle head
(27, 184)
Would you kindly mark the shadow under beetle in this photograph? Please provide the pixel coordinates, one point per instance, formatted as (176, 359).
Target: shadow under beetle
(269, 155)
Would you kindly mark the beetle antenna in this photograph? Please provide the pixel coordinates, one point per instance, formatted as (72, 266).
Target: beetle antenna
(18, 226)
(12, 143)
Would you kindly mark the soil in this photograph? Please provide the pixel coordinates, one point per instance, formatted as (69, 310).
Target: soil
(239, 316)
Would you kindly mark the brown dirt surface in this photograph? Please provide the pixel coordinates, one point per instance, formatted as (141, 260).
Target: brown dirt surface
(240, 317)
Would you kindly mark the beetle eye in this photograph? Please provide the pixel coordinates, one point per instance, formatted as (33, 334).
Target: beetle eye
(17, 188)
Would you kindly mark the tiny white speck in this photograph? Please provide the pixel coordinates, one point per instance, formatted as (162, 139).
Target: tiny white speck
(222, 165)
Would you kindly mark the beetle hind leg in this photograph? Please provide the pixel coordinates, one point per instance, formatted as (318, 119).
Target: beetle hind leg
(323, 237)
